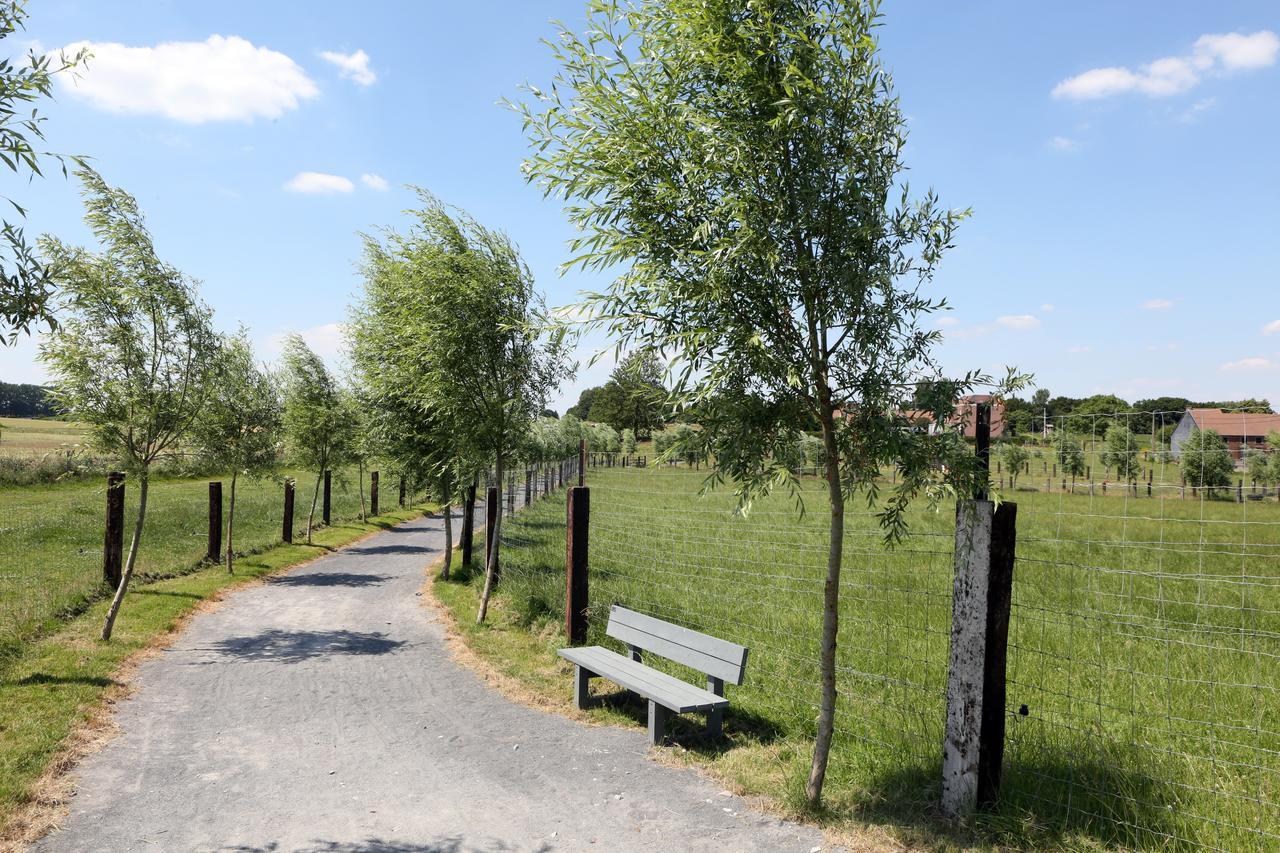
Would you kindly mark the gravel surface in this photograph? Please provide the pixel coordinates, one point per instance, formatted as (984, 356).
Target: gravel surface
(321, 711)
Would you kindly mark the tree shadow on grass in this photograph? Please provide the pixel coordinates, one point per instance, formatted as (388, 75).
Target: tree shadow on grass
(328, 579)
(297, 646)
(142, 590)
(1112, 794)
(46, 678)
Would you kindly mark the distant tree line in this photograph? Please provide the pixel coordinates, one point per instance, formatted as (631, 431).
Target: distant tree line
(22, 400)
(1093, 415)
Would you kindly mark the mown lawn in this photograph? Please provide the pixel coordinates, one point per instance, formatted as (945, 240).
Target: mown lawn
(51, 538)
(1144, 661)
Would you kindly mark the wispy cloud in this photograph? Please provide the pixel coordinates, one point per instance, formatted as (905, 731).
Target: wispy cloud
(1193, 112)
(351, 66)
(1272, 328)
(374, 182)
(1250, 364)
(1077, 350)
(318, 183)
(1171, 75)
(1018, 321)
(1063, 143)
(223, 78)
(1157, 305)
(1046, 308)
(1011, 322)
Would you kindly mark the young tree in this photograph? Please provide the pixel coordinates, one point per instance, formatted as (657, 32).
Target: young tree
(742, 161)
(1121, 453)
(317, 422)
(239, 427)
(627, 443)
(1206, 461)
(1015, 457)
(1070, 454)
(135, 350)
(1263, 466)
(24, 280)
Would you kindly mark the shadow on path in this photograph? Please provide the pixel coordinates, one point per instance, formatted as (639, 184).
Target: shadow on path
(297, 646)
(328, 579)
(447, 844)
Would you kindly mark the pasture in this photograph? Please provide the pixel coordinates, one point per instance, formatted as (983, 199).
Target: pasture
(1144, 650)
(26, 437)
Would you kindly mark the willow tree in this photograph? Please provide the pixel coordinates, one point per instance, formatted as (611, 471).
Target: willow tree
(317, 423)
(135, 352)
(741, 162)
(472, 326)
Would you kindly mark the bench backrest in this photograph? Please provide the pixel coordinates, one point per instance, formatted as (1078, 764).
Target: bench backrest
(710, 655)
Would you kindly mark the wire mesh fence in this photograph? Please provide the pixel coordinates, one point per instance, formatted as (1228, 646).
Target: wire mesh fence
(1143, 704)
(51, 537)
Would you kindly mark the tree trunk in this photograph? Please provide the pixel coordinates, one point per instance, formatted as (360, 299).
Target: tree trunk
(315, 496)
(491, 559)
(830, 612)
(114, 610)
(447, 490)
(231, 519)
(362, 509)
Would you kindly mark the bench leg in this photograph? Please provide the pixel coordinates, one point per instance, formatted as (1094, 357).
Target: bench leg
(581, 686)
(657, 723)
(715, 722)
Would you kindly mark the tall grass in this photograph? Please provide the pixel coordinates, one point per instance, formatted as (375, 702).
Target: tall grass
(1144, 657)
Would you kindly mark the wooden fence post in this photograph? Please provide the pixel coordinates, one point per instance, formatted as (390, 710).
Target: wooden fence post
(113, 541)
(982, 449)
(973, 747)
(468, 522)
(402, 492)
(327, 507)
(578, 521)
(582, 462)
(528, 485)
(214, 552)
(373, 493)
(286, 532)
(491, 508)
(511, 493)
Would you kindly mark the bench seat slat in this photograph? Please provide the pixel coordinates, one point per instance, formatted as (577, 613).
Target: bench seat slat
(666, 690)
(707, 654)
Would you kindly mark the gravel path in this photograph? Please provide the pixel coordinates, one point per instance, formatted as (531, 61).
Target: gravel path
(321, 711)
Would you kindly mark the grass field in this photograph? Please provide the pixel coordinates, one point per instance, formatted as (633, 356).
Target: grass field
(1144, 659)
(22, 437)
(51, 539)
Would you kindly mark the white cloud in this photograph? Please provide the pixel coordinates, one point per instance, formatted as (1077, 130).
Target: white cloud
(351, 66)
(1172, 75)
(318, 182)
(1079, 349)
(1046, 308)
(329, 341)
(1018, 321)
(224, 78)
(374, 182)
(1192, 112)
(1063, 143)
(947, 321)
(1157, 305)
(1255, 363)
(1271, 328)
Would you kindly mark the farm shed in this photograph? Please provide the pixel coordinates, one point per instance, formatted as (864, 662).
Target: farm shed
(966, 413)
(1240, 430)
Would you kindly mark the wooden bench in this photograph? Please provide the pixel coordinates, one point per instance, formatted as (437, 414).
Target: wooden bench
(720, 660)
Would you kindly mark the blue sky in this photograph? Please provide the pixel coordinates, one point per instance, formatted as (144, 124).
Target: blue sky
(1119, 159)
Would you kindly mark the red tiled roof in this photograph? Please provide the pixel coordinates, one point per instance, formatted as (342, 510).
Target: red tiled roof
(1234, 423)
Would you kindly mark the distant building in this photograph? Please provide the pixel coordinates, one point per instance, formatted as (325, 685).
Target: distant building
(966, 413)
(1240, 430)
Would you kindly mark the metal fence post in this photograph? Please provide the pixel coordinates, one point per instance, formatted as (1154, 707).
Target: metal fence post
(214, 552)
(113, 541)
(973, 747)
(578, 522)
(286, 532)
(373, 492)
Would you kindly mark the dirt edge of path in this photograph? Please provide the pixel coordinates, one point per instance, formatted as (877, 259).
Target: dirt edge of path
(52, 791)
(869, 838)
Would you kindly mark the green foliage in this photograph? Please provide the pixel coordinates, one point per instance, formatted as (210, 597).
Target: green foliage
(19, 400)
(1070, 454)
(239, 425)
(601, 437)
(1015, 458)
(25, 282)
(316, 422)
(1094, 416)
(627, 443)
(1206, 461)
(1121, 453)
(633, 398)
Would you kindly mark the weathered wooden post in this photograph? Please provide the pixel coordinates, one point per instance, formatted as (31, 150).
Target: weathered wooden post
(402, 495)
(528, 485)
(113, 541)
(973, 748)
(286, 532)
(468, 523)
(327, 507)
(491, 507)
(582, 462)
(578, 520)
(982, 449)
(511, 493)
(214, 552)
(373, 492)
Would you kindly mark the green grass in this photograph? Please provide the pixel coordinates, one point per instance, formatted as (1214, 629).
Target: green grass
(51, 539)
(55, 683)
(1144, 643)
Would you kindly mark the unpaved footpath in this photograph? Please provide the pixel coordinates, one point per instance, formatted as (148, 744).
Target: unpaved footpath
(321, 711)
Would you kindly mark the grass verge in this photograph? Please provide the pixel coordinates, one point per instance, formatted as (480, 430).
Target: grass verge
(56, 696)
